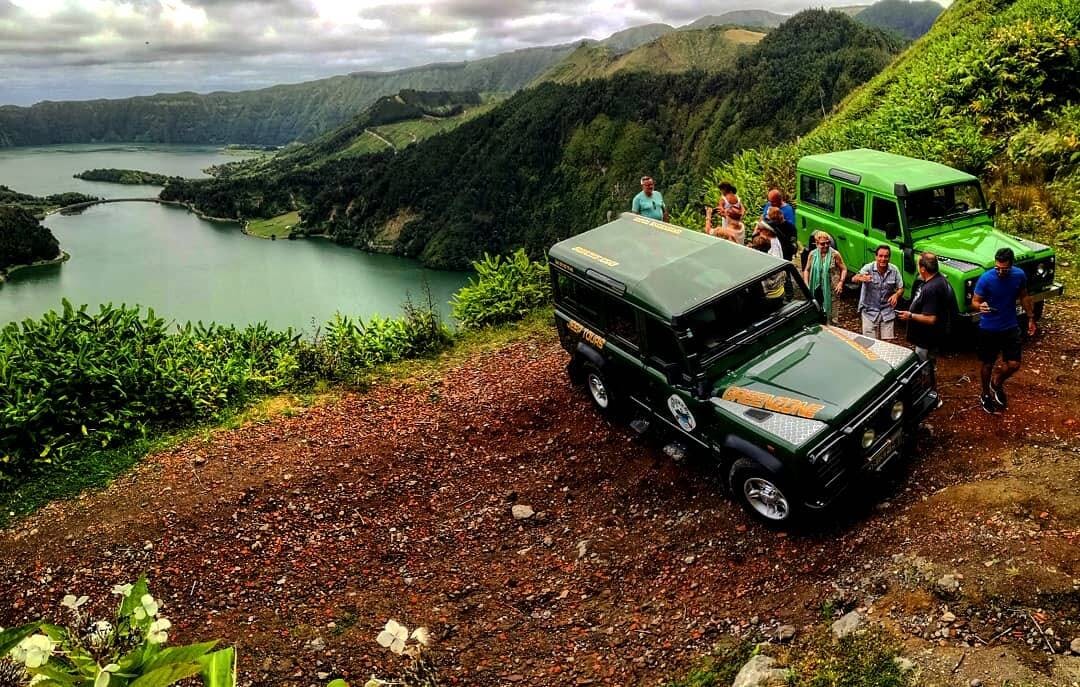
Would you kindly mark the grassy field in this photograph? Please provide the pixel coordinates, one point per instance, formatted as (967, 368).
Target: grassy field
(275, 226)
(401, 134)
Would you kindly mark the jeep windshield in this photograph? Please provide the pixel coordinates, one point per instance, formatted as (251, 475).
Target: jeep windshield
(741, 316)
(930, 209)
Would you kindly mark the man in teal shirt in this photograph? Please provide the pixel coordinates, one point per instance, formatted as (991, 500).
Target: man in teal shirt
(649, 203)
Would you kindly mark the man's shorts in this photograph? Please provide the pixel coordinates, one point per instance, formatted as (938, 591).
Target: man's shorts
(878, 330)
(1005, 342)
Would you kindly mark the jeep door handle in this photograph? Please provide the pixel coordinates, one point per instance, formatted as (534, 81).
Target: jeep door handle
(841, 237)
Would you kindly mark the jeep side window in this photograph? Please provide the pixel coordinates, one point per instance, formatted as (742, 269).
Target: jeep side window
(852, 205)
(883, 212)
(663, 346)
(580, 298)
(818, 192)
(621, 321)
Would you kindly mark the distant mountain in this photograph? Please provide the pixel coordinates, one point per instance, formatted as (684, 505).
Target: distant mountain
(628, 39)
(268, 116)
(909, 19)
(762, 18)
(851, 10)
(712, 49)
(555, 159)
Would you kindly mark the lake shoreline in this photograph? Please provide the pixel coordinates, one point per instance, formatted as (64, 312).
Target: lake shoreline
(79, 207)
(12, 269)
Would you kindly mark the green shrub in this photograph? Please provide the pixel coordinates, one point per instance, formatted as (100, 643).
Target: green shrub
(73, 376)
(504, 290)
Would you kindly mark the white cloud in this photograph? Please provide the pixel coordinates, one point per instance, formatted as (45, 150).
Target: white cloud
(62, 49)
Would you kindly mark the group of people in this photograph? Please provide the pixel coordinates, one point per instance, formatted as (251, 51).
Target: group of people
(881, 285)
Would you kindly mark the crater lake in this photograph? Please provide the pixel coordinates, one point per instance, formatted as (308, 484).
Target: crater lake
(166, 258)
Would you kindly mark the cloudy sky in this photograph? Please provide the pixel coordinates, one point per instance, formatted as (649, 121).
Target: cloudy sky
(78, 49)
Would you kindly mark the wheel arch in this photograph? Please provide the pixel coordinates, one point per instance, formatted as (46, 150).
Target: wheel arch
(745, 449)
(590, 355)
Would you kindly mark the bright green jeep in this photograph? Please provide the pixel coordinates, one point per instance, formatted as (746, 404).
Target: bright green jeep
(865, 198)
(677, 328)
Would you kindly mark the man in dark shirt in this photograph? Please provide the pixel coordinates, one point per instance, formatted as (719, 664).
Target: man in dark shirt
(929, 312)
(995, 298)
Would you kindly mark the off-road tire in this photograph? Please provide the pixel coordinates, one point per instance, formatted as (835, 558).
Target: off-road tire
(603, 396)
(764, 495)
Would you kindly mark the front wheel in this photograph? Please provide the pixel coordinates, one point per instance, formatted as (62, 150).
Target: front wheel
(764, 495)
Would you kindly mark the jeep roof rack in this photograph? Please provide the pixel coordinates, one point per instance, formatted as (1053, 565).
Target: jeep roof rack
(665, 269)
(880, 172)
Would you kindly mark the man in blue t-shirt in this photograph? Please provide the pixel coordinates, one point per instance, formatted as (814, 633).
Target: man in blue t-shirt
(649, 203)
(995, 298)
(775, 199)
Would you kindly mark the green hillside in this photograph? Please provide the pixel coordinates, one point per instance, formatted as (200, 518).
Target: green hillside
(909, 18)
(993, 88)
(713, 49)
(556, 159)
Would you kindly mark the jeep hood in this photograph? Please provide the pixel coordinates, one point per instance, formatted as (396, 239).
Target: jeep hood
(821, 373)
(976, 245)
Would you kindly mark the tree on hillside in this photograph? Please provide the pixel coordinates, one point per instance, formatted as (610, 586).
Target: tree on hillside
(23, 239)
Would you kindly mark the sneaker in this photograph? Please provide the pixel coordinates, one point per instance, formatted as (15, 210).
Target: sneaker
(989, 404)
(999, 395)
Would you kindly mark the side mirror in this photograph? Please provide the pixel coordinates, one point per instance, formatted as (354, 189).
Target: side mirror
(992, 210)
(892, 231)
(909, 260)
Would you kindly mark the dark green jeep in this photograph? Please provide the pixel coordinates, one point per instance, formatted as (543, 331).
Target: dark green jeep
(865, 198)
(677, 326)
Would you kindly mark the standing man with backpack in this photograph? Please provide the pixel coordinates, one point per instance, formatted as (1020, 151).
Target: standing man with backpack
(931, 312)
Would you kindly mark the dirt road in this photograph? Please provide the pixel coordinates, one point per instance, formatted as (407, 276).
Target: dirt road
(298, 538)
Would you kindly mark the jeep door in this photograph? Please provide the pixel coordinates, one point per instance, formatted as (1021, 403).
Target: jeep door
(885, 229)
(819, 198)
(668, 381)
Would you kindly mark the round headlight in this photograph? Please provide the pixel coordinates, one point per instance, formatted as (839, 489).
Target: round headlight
(897, 411)
(868, 438)
(1042, 270)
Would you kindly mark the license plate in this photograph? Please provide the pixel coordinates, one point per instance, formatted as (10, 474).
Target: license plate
(885, 453)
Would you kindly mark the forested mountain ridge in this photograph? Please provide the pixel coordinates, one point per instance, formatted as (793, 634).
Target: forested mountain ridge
(269, 116)
(555, 159)
(710, 49)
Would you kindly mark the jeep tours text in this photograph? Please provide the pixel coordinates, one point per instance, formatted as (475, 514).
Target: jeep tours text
(674, 324)
(864, 198)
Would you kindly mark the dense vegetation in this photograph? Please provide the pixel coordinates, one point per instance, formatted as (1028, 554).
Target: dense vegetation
(413, 104)
(124, 176)
(991, 89)
(22, 238)
(39, 205)
(74, 379)
(909, 18)
(556, 159)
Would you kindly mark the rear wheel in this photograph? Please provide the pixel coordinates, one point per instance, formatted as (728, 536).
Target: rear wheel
(603, 396)
(764, 495)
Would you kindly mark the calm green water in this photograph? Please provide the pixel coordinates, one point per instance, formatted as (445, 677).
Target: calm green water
(185, 268)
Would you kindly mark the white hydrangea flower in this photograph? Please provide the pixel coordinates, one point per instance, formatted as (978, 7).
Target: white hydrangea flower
(100, 632)
(148, 608)
(122, 590)
(157, 633)
(393, 636)
(73, 602)
(374, 682)
(422, 635)
(34, 651)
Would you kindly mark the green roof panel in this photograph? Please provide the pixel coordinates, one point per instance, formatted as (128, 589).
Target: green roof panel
(880, 171)
(666, 269)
